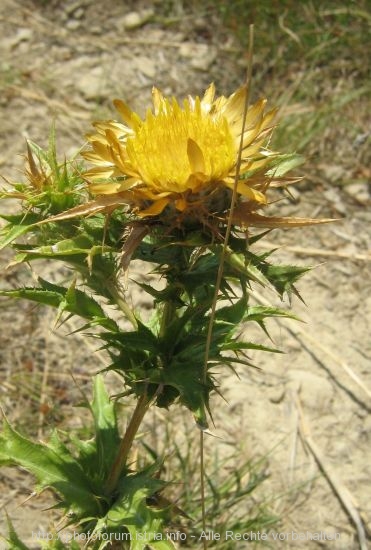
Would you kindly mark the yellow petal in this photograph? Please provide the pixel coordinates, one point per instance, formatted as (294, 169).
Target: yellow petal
(181, 204)
(248, 137)
(102, 151)
(155, 209)
(93, 157)
(100, 173)
(252, 149)
(104, 188)
(247, 192)
(145, 193)
(119, 129)
(234, 107)
(97, 137)
(125, 112)
(269, 118)
(208, 98)
(254, 112)
(157, 99)
(195, 182)
(108, 188)
(195, 156)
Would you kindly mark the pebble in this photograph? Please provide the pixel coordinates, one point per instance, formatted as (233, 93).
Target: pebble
(135, 19)
(359, 191)
(332, 195)
(201, 55)
(73, 24)
(73, 8)
(332, 172)
(146, 66)
(22, 35)
(91, 84)
(79, 13)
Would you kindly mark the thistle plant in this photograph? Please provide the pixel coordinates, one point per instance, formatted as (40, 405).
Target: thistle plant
(181, 190)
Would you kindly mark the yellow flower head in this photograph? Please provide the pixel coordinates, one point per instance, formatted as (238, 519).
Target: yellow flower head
(182, 156)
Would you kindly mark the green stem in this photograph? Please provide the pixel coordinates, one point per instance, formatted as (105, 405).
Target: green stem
(167, 316)
(141, 408)
(126, 442)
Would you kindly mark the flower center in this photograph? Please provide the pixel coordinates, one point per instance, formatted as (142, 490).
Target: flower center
(178, 149)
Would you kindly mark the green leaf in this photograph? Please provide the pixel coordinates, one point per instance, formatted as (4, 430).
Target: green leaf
(284, 163)
(106, 430)
(177, 328)
(185, 374)
(283, 277)
(79, 245)
(13, 233)
(13, 540)
(53, 466)
(34, 294)
(68, 247)
(240, 263)
(138, 340)
(168, 253)
(132, 518)
(169, 294)
(235, 345)
(234, 313)
(259, 313)
(69, 299)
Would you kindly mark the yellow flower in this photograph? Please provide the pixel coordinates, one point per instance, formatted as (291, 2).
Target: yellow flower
(182, 156)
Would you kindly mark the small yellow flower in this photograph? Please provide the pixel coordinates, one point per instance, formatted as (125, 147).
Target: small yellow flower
(182, 156)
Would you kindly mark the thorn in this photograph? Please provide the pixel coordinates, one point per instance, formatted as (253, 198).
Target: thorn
(206, 431)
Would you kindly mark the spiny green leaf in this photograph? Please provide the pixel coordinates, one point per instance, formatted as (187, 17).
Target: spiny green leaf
(79, 245)
(41, 296)
(235, 345)
(240, 263)
(53, 466)
(132, 518)
(232, 314)
(170, 293)
(168, 253)
(141, 339)
(283, 277)
(69, 299)
(259, 313)
(176, 329)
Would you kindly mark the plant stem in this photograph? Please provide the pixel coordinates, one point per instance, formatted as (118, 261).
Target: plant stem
(168, 313)
(202, 480)
(126, 442)
(141, 408)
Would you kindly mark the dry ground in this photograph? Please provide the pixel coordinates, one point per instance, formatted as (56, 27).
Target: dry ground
(66, 61)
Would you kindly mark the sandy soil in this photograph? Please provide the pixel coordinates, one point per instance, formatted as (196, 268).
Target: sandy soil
(66, 61)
